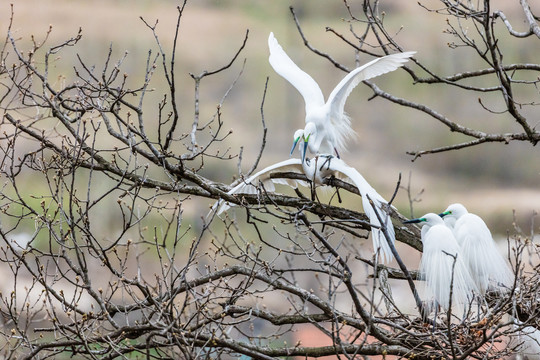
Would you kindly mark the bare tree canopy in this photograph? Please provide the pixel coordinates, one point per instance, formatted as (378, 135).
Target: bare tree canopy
(109, 248)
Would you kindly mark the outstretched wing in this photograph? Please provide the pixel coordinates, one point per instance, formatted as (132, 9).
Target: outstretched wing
(379, 242)
(340, 125)
(285, 67)
(250, 185)
(372, 69)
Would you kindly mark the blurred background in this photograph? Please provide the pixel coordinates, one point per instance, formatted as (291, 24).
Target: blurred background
(491, 179)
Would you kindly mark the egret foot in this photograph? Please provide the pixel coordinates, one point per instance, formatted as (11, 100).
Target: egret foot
(435, 317)
(326, 162)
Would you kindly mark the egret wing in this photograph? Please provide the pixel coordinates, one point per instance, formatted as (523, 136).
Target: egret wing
(285, 67)
(365, 189)
(340, 123)
(367, 71)
(439, 254)
(250, 185)
(486, 265)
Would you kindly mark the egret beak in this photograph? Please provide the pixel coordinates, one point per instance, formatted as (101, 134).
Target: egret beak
(294, 144)
(304, 150)
(414, 221)
(443, 214)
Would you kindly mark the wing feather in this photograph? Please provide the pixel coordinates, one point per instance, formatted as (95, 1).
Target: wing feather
(486, 265)
(284, 66)
(250, 185)
(380, 244)
(436, 268)
(340, 122)
(367, 71)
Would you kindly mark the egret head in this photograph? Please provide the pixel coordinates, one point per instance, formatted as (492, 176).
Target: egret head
(429, 219)
(454, 211)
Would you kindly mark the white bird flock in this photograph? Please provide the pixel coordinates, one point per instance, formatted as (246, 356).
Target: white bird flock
(460, 261)
(478, 266)
(442, 266)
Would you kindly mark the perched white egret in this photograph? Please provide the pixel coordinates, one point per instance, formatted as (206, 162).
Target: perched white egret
(442, 253)
(486, 265)
(316, 170)
(327, 126)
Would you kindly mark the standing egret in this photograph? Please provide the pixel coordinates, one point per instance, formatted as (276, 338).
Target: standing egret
(486, 265)
(316, 170)
(327, 126)
(442, 253)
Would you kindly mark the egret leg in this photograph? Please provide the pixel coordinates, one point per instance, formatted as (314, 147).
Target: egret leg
(337, 154)
(435, 316)
(479, 313)
(467, 312)
(482, 300)
(338, 196)
(332, 183)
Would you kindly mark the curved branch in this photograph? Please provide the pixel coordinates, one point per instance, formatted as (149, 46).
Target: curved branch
(534, 29)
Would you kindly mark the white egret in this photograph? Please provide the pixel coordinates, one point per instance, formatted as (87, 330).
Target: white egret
(441, 254)
(327, 126)
(486, 265)
(316, 170)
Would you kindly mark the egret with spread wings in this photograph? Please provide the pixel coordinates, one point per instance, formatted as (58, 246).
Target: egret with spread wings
(327, 126)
